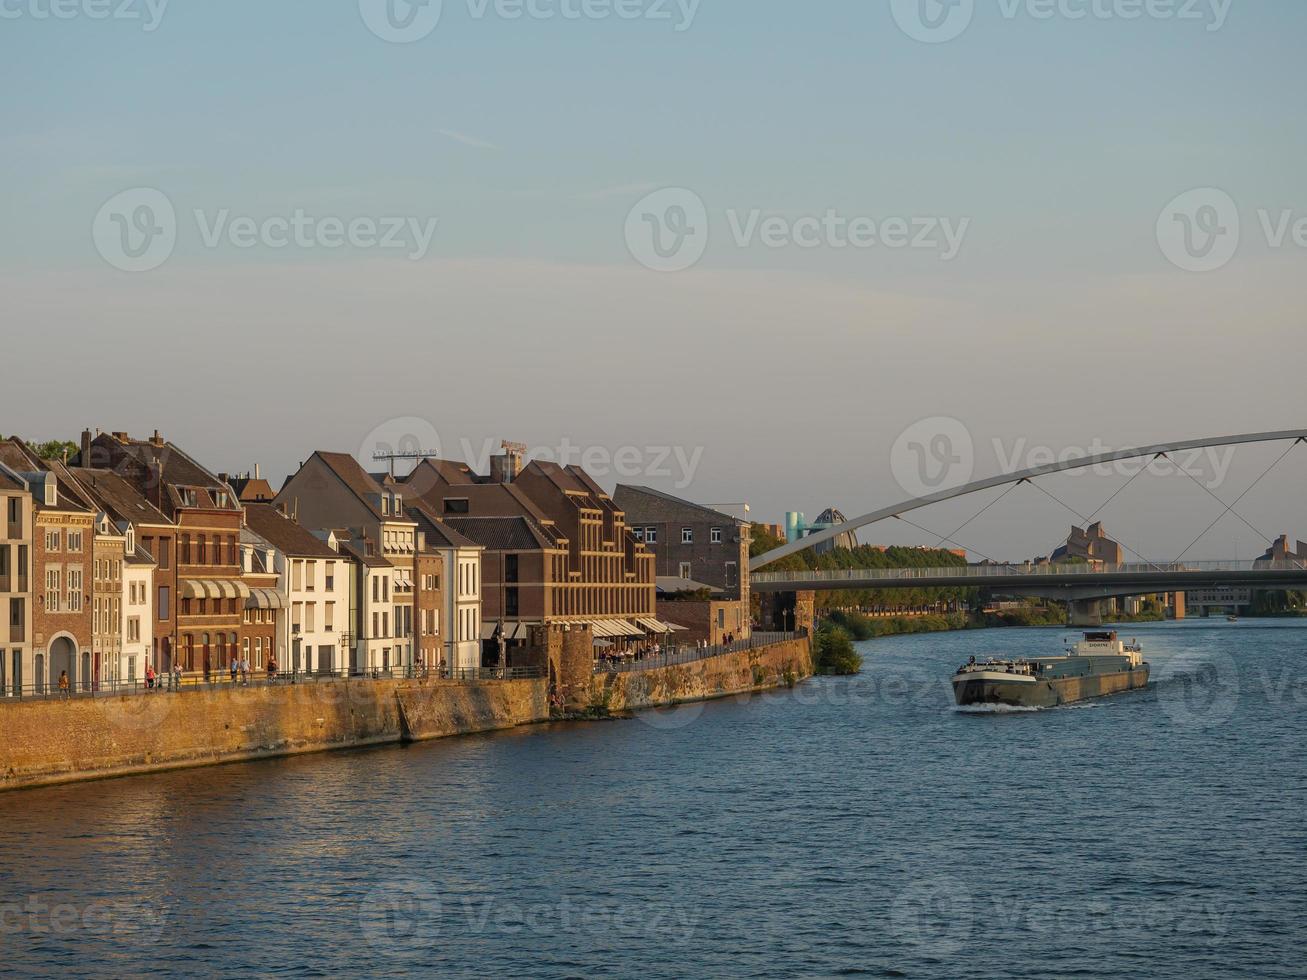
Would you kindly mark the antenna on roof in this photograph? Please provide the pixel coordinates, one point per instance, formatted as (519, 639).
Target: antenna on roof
(417, 456)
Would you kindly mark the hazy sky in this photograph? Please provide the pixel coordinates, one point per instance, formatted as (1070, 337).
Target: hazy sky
(1016, 192)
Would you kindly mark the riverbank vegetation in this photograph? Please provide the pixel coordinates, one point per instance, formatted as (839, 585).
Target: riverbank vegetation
(833, 653)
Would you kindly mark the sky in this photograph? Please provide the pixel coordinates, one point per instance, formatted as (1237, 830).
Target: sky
(799, 255)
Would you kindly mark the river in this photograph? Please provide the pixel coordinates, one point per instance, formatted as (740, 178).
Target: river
(848, 827)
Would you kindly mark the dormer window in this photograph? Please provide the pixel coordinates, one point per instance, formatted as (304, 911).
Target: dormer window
(220, 498)
(188, 496)
(385, 506)
(131, 542)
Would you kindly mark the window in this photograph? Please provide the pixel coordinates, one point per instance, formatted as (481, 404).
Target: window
(75, 589)
(134, 630)
(651, 535)
(511, 602)
(163, 603)
(74, 540)
(330, 585)
(186, 549)
(510, 568)
(638, 532)
(163, 555)
(52, 540)
(220, 499)
(687, 535)
(202, 551)
(457, 507)
(52, 589)
(716, 535)
(329, 621)
(686, 569)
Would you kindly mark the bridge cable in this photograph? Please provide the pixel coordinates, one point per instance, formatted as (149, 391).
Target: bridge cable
(1261, 534)
(978, 514)
(1230, 507)
(1142, 470)
(1087, 521)
(900, 517)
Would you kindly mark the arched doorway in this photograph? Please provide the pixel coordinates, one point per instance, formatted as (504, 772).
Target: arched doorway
(63, 657)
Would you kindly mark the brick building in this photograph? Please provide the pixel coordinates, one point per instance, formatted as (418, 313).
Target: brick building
(16, 512)
(211, 592)
(63, 556)
(694, 546)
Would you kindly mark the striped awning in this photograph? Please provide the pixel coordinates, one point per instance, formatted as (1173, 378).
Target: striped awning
(214, 588)
(653, 626)
(512, 631)
(615, 628)
(265, 599)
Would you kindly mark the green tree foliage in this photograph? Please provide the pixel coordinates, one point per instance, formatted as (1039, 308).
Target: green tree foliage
(54, 449)
(833, 653)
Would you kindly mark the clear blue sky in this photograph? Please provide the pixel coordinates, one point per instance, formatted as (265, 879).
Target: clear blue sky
(1060, 141)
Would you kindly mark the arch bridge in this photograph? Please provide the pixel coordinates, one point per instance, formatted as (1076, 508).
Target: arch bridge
(1078, 585)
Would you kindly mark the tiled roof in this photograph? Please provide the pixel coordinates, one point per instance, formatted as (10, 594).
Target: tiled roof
(358, 480)
(117, 497)
(644, 504)
(18, 456)
(356, 550)
(284, 534)
(437, 532)
(503, 533)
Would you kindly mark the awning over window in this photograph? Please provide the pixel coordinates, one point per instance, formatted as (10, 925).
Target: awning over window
(211, 588)
(265, 599)
(512, 631)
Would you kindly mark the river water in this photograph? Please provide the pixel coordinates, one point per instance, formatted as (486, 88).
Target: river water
(848, 827)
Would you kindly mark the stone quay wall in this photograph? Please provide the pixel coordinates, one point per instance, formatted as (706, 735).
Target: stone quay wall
(55, 741)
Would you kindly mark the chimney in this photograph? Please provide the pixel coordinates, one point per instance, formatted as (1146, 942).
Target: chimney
(506, 467)
(154, 483)
(156, 439)
(256, 472)
(86, 448)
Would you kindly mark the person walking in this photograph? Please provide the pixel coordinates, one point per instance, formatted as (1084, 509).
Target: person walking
(63, 684)
(149, 677)
(272, 668)
(235, 669)
(177, 675)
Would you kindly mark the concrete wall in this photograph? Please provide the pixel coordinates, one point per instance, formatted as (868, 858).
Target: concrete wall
(44, 742)
(716, 677)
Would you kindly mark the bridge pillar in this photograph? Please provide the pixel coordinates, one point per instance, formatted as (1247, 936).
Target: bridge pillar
(1086, 612)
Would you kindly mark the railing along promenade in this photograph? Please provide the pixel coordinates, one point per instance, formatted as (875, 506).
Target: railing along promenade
(170, 684)
(983, 574)
(678, 655)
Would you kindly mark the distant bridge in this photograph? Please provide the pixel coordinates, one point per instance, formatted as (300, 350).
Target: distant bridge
(1025, 476)
(1069, 583)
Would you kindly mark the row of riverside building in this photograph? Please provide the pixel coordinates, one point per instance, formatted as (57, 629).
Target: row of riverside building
(129, 555)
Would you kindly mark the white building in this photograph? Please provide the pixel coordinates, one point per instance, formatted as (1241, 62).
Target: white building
(314, 578)
(137, 610)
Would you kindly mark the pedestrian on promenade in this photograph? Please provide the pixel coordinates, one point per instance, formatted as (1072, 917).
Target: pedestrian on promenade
(235, 669)
(208, 670)
(63, 684)
(272, 668)
(177, 675)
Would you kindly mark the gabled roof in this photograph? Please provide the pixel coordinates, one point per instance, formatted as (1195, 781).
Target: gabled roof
(251, 490)
(20, 458)
(437, 532)
(357, 551)
(505, 533)
(285, 535)
(358, 480)
(644, 504)
(569, 479)
(116, 497)
(431, 470)
(178, 468)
